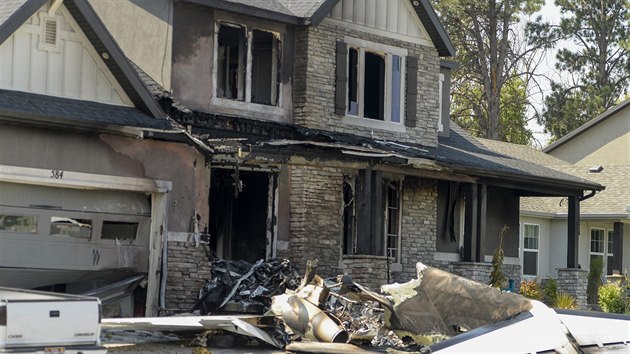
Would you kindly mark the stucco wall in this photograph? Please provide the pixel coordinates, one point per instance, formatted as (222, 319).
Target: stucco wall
(607, 143)
(142, 28)
(116, 156)
(315, 84)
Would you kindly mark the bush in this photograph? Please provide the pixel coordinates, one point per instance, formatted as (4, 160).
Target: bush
(531, 290)
(550, 291)
(594, 279)
(564, 300)
(611, 298)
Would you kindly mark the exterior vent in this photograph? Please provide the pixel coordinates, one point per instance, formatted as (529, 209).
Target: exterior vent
(50, 32)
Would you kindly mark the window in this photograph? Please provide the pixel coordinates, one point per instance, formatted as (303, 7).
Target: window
(113, 230)
(248, 64)
(18, 223)
(375, 82)
(531, 237)
(597, 244)
(62, 226)
(392, 219)
(363, 233)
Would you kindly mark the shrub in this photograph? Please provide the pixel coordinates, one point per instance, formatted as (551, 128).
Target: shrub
(550, 291)
(564, 300)
(594, 279)
(611, 298)
(531, 290)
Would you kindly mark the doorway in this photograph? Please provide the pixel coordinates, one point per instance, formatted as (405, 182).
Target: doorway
(240, 214)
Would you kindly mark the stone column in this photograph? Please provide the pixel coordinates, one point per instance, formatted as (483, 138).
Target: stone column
(573, 281)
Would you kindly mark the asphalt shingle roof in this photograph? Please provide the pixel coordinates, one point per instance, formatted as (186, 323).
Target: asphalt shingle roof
(615, 199)
(302, 8)
(8, 8)
(463, 150)
(23, 104)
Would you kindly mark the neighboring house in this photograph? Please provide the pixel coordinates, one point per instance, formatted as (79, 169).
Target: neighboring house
(599, 151)
(330, 126)
(86, 190)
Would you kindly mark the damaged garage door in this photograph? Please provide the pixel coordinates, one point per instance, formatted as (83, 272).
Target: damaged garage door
(59, 237)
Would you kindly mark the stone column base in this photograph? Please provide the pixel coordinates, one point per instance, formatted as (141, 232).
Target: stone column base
(574, 281)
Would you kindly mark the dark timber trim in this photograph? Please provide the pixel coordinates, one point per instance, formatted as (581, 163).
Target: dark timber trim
(573, 232)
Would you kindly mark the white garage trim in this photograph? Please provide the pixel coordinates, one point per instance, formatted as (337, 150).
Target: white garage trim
(79, 180)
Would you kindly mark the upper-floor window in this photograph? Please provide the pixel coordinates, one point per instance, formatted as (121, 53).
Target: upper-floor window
(247, 64)
(371, 79)
(375, 81)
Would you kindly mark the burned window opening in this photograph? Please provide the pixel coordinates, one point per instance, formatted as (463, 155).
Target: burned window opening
(265, 58)
(231, 62)
(77, 228)
(374, 86)
(238, 226)
(349, 222)
(119, 230)
(371, 215)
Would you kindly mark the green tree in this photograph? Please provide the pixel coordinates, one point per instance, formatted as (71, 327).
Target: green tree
(596, 73)
(496, 61)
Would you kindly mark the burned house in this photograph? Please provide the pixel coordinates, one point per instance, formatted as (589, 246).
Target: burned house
(329, 125)
(84, 193)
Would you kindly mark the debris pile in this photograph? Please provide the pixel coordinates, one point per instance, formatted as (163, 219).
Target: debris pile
(238, 286)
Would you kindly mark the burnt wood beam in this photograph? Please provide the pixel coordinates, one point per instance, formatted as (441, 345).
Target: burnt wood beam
(618, 247)
(573, 232)
(364, 210)
(377, 215)
(470, 223)
(480, 253)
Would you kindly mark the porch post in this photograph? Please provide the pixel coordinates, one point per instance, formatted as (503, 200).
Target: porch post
(573, 232)
(618, 247)
(470, 223)
(480, 253)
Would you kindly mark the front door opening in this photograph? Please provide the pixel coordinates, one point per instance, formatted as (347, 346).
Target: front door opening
(238, 221)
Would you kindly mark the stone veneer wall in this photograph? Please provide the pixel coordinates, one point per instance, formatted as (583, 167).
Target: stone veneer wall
(315, 219)
(314, 84)
(574, 282)
(316, 227)
(480, 272)
(188, 269)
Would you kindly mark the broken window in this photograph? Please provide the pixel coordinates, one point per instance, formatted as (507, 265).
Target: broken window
(232, 58)
(392, 218)
(113, 230)
(78, 228)
(375, 84)
(18, 223)
(371, 215)
(349, 223)
(248, 64)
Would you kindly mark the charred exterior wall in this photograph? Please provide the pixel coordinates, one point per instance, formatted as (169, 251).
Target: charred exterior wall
(314, 91)
(316, 227)
(503, 210)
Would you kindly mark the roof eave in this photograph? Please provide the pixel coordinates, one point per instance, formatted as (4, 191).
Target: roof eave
(248, 11)
(586, 126)
(438, 35)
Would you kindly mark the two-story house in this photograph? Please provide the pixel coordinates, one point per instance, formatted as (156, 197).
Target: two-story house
(331, 137)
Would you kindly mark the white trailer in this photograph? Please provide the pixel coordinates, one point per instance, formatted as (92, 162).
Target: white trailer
(43, 322)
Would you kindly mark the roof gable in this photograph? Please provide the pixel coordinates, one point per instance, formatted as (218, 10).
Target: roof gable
(49, 54)
(394, 17)
(17, 13)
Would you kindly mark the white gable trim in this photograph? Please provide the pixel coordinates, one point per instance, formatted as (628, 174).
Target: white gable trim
(71, 68)
(395, 19)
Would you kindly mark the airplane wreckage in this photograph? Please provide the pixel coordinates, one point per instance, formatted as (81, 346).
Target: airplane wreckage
(438, 312)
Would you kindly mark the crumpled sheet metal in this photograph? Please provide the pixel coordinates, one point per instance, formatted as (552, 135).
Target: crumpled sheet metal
(308, 320)
(440, 303)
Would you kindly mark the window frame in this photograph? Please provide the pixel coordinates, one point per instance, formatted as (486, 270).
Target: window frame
(531, 250)
(604, 244)
(363, 46)
(277, 31)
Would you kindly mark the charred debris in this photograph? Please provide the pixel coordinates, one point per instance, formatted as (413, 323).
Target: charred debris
(269, 302)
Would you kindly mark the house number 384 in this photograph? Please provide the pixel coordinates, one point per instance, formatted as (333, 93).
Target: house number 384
(56, 174)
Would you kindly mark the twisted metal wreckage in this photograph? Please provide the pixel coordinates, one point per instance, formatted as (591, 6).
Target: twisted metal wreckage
(438, 312)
